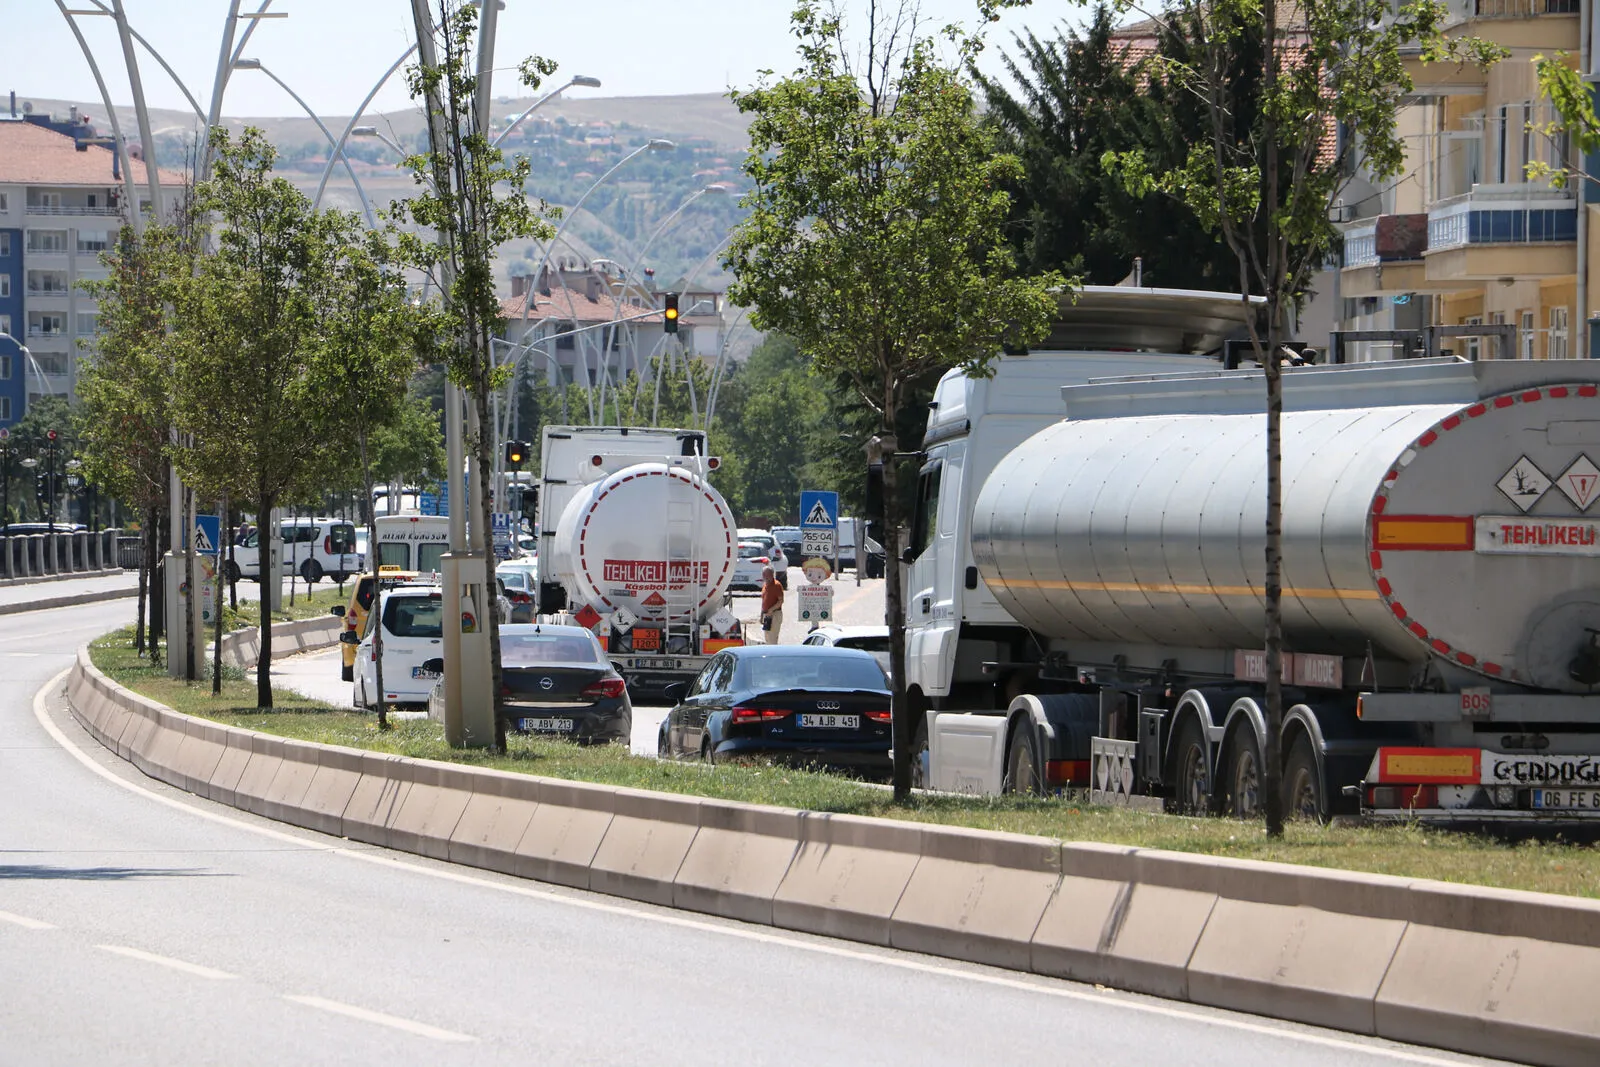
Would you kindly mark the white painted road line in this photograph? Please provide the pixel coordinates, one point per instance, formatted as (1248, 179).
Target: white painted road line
(377, 1017)
(166, 961)
(24, 922)
(1042, 986)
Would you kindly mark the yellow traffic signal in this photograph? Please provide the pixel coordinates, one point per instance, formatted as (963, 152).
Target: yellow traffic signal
(670, 310)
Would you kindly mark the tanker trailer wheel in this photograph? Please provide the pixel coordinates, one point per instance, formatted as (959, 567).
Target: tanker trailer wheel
(1244, 776)
(1023, 767)
(1302, 785)
(1191, 777)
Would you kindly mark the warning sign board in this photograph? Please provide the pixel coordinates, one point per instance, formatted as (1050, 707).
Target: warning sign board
(819, 508)
(1580, 482)
(816, 603)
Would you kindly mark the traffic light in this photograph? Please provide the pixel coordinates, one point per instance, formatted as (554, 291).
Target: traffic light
(516, 453)
(670, 311)
(41, 487)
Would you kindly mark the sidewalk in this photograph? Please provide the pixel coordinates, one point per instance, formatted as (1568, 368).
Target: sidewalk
(64, 592)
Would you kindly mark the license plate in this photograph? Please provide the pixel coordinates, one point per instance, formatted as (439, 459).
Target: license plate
(830, 722)
(650, 663)
(1567, 799)
(548, 726)
(423, 672)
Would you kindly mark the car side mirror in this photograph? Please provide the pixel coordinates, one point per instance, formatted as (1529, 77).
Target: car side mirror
(349, 637)
(337, 609)
(675, 691)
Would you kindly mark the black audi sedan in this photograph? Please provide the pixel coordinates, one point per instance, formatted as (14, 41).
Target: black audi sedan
(801, 705)
(556, 681)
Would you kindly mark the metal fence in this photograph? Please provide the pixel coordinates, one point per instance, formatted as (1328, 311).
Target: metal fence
(44, 554)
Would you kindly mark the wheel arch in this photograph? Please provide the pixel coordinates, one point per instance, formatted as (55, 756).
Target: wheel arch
(1194, 705)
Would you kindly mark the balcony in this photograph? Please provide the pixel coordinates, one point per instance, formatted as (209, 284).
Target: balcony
(1384, 256)
(70, 210)
(1503, 214)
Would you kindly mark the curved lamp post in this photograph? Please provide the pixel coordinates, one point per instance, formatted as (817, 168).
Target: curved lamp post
(582, 80)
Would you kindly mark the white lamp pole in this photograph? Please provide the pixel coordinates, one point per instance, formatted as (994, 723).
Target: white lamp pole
(577, 79)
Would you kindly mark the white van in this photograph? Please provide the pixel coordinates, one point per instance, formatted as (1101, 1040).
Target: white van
(412, 618)
(413, 542)
(311, 548)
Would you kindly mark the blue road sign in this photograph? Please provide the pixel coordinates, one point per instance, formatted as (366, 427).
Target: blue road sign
(207, 534)
(428, 504)
(819, 509)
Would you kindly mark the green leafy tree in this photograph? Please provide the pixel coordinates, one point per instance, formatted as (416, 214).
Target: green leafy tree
(473, 201)
(1325, 65)
(875, 235)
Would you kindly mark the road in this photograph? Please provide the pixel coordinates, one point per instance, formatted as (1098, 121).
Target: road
(139, 924)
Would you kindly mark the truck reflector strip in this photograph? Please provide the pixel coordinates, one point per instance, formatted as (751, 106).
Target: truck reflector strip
(1423, 533)
(1438, 766)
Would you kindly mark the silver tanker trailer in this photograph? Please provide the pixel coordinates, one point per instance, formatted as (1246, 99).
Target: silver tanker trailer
(1085, 593)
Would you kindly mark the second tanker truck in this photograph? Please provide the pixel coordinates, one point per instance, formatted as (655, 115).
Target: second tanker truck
(636, 544)
(1084, 594)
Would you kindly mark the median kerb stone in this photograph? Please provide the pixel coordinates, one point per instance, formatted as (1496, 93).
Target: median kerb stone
(645, 844)
(266, 758)
(565, 832)
(494, 820)
(1352, 892)
(1142, 941)
(428, 815)
(162, 749)
(1506, 912)
(198, 755)
(285, 795)
(385, 781)
(231, 767)
(1508, 997)
(338, 772)
(738, 860)
(977, 896)
(847, 876)
(1293, 962)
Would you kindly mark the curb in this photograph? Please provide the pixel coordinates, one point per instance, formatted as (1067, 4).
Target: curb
(1484, 971)
(68, 601)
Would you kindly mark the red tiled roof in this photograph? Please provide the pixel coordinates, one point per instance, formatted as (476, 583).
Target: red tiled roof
(566, 305)
(33, 155)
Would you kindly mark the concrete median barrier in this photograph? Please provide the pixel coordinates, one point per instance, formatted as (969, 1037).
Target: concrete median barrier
(378, 796)
(1122, 934)
(644, 845)
(847, 876)
(197, 757)
(266, 760)
(737, 861)
(431, 809)
(284, 797)
(334, 783)
(977, 896)
(230, 768)
(564, 833)
(494, 820)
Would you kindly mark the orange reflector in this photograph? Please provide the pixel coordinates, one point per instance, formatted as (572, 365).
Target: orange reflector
(1423, 533)
(712, 645)
(1066, 771)
(1450, 766)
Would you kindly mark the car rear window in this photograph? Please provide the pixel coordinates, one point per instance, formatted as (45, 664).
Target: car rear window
(865, 644)
(751, 549)
(342, 537)
(515, 579)
(518, 649)
(814, 670)
(414, 616)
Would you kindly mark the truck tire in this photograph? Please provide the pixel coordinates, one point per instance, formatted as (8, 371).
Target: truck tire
(663, 746)
(1024, 769)
(1191, 770)
(230, 571)
(1303, 796)
(1243, 781)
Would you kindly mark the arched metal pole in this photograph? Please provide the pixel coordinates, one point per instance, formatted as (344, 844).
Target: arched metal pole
(152, 173)
(366, 205)
(182, 88)
(119, 146)
(219, 84)
(719, 373)
(355, 120)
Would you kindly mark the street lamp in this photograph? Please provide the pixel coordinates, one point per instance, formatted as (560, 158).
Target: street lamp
(333, 145)
(582, 80)
(373, 131)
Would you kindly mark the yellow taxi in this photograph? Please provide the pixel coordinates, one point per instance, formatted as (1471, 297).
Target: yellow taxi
(361, 598)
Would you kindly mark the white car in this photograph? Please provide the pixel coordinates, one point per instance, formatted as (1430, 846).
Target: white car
(753, 559)
(412, 618)
(311, 548)
(873, 639)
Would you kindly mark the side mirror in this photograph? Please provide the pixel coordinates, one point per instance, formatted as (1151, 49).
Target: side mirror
(349, 637)
(676, 691)
(908, 555)
(337, 609)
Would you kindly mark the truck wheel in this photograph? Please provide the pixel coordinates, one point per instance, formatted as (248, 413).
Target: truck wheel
(230, 571)
(1302, 786)
(1024, 772)
(311, 571)
(663, 746)
(1244, 776)
(707, 755)
(1191, 776)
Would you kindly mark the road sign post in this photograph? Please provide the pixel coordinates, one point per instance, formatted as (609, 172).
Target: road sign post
(819, 526)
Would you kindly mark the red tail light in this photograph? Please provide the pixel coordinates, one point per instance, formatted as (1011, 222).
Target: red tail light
(608, 688)
(878, 716)
(327, 544)
(757, 714)
(1402, 796)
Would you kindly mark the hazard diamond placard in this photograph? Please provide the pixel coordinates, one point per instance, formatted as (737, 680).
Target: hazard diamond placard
(1580, 483)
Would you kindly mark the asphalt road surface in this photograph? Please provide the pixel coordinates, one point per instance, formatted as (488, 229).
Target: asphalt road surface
(141, 925)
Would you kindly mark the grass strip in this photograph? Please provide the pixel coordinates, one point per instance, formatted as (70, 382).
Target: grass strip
(1548, 866)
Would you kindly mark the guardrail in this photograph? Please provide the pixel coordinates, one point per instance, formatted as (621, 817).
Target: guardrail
(43, 555)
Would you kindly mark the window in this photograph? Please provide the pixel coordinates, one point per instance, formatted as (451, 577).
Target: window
(5, 204)
(47, 281)
(5, 242)
(92, 240)
(5, 409)
(927, 511)
(415, 616)
(1472, 347)
(1500, 160)
(5, 323)
(50, 325)
(5, 285)
(5, 368)
(1557, 345)
(1525, 332)
(88, 323)
(47, 240)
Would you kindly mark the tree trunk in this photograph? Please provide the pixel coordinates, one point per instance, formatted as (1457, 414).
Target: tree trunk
(377, 593)
(902, 713)
(216, 622)
(191, 634)
(1271, 797)
(483, 446)
(158, 592)
(145, 568)
(268, 574)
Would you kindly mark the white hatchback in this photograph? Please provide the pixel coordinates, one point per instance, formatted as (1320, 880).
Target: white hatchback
(413, 647)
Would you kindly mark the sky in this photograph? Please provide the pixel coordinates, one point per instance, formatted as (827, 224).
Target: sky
(331, 52)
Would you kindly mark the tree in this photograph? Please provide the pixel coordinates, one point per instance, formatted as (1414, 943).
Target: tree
(249, 339)
(875, 238)
(460, 202)
(1269, 188)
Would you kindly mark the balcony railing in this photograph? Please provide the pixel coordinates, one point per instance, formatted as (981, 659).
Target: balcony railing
(69, 209)
(1503, 214)
(1361, 245)
(1522, 9)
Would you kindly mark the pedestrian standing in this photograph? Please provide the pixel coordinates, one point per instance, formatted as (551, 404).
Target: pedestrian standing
(771, 606)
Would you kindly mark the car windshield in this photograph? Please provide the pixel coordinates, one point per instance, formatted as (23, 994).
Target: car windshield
(816, 670)
(530, 649)
(414, 616)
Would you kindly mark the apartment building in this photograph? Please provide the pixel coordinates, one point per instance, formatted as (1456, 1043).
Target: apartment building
(1464, 237)
(62, 200)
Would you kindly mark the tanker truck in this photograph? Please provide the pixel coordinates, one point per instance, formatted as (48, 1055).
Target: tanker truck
(1084, 577)
(636, 545)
